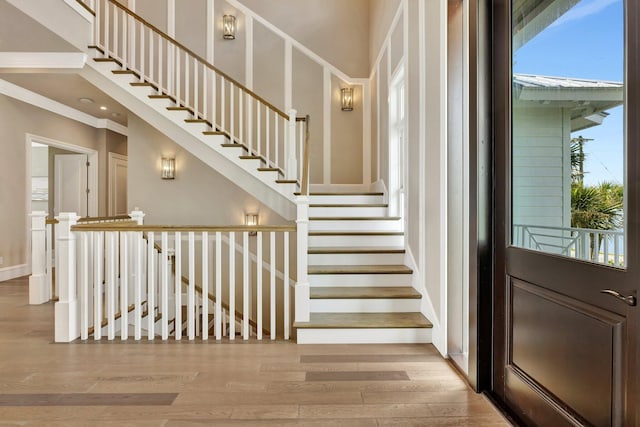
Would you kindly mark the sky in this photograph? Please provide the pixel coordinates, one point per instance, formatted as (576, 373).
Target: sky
(585, 42)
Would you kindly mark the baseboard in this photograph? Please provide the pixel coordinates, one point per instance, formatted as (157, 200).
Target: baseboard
(13, 272)
(345, 188)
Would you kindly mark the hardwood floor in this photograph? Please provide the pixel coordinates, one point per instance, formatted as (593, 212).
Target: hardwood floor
(241, 383)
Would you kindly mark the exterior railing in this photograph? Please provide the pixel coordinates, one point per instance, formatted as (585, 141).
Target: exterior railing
(599, 246)
(122, 280)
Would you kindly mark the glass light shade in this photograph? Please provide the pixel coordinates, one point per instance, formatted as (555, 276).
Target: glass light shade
(168, 168)
(251, 219)
(228, 27)
(347, 99)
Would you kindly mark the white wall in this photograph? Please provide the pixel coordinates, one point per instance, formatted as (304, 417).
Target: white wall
(414, 34)
(198, 196)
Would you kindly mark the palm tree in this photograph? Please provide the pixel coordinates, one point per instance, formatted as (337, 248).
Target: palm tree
(597, 208)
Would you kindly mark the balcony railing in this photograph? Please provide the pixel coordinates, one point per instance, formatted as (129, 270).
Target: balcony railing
(599, 246)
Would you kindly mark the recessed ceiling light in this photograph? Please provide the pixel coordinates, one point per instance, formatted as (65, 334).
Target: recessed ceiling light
(86, 100)
(103, 108)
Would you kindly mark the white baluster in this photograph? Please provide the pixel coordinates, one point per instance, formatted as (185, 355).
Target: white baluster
(232, 285)
(218, 313)
(214, 99)
(268, 138)
(39, 291)
(191, 292)
(110, 284)
(272, 282)
(259, 283)
(98, 275)
(276, 117)
(124, 286)
(232, 112)
(241, 116)
(223, 105)
(83, 285)
(164, 286)
(151, 283)
(245, 285)
(187, 87)
(285, 282)
(137, 326)
(178, 285)
(196, 88)
(205, 285)
(49, 263)
(290, 149)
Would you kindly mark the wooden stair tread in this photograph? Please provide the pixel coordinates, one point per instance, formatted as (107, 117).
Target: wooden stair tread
(179, 109)
(364, 321)
(286, 181)
(375, 292)
(356, 233)
(359, 269)
(215, 132)
(342, 250)
(250, 158)
(268, 169)
(195, 121)
(355, 218)
(160, 97)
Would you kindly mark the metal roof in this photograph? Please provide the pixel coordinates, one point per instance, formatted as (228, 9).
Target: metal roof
(550, 82)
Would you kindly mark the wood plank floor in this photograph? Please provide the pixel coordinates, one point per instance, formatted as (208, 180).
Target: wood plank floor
(242, 384)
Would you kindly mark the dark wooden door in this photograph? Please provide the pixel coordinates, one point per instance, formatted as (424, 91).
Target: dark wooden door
(565, 346)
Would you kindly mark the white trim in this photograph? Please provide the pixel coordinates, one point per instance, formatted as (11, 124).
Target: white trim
(56, 60)
(37, 100)
(466, 190)
(73, 4)
(248, 52)
(387, 39)
(302, 48)
(113, 160)
(378, 120)
(14, 271)
(326, 133)
(443, 175)
(288, 75)
(426, 305)
(171, 18)
(366, 134)
(210, 31)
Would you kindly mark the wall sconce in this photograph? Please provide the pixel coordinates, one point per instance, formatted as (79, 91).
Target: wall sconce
(168, 168)
(228, 27)
(347, 98)
(251, 220)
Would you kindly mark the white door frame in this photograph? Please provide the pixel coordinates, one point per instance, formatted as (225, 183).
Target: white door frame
(92, 205)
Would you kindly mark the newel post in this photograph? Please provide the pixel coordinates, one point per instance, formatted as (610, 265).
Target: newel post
(39, 291)
(290, 148)
(67, 309)
(302, 286)
(137, 215)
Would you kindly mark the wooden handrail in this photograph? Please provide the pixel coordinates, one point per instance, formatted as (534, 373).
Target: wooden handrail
(104, 218)
(304, 188)
(200, 59)
(86, 7)
(182, 228)
(49, 221)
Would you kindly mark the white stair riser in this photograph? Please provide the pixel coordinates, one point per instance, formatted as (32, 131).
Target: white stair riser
(196, 129)
(360, 279)
(365, 305)
(358, 241)
(347, 211)
(365, 336)
(347, 199)
(356, 259)
(179, 115)
(355, 225)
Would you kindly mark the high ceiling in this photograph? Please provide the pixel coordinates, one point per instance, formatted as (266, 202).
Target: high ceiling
(20, 33)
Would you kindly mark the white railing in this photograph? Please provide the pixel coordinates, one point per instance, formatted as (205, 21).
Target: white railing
(42, 286)
(209, 94)
(599, 246)
(136, 280)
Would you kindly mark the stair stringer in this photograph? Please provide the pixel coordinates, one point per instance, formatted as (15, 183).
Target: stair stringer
(209, 152)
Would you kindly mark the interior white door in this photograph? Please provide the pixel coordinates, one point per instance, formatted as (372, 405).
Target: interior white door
(117, 184)
(70, 184)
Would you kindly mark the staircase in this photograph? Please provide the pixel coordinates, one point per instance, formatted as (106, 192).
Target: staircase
(361, 291)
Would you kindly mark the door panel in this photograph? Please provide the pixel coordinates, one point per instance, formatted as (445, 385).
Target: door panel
(70, 184)
(565, 353)
(553, 352)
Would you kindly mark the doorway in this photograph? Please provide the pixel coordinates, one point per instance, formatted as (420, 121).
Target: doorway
(566, 323)
(82, 170)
